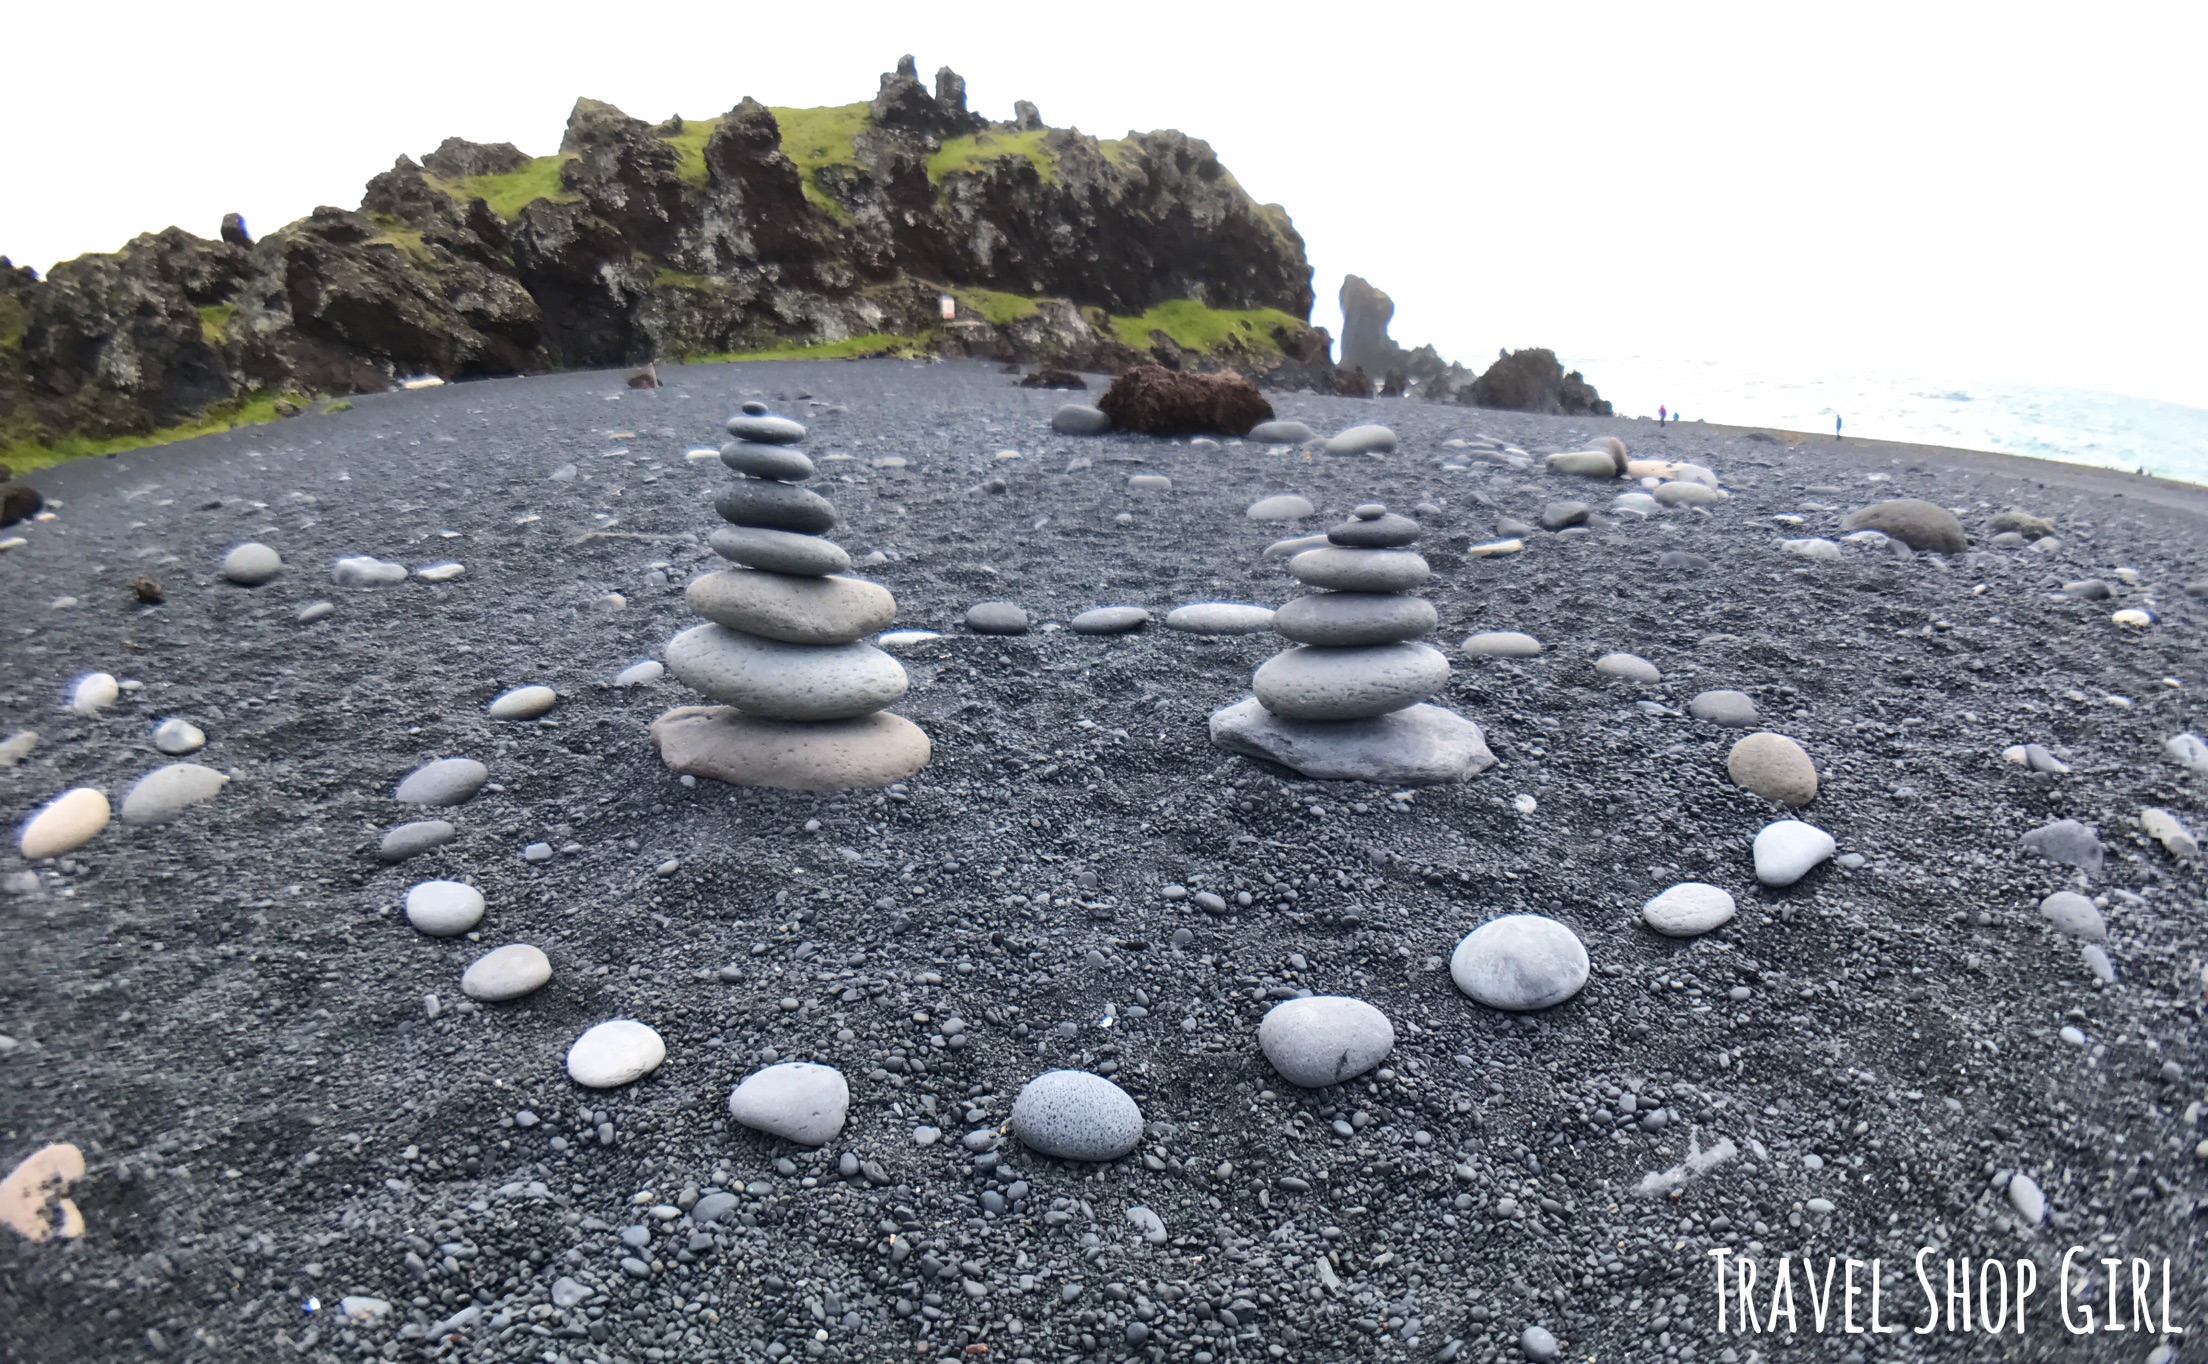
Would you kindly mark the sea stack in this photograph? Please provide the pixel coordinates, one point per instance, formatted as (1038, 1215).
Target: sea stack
(1347, 703)
(801, 698)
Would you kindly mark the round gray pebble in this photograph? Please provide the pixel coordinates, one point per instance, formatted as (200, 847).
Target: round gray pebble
(1520, 962)
(1324, 1040)
(1077, 1116)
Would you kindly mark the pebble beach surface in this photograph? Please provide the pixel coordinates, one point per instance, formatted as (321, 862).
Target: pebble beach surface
(505, 1118)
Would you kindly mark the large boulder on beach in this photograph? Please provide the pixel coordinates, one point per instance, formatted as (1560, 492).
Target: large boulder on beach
(1913, 521)
(1164, 402)
(860, 754)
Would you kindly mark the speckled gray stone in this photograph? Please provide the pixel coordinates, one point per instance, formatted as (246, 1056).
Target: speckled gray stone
(166, 792)
(774, 506)
(1109, 620)
(754, 459)
(1324, 1040)
(1338, 568)
(447, 781)
(2075, 915)
(996, 618)
(766, 430)
(1361, 440)
(1220, 618)
(251, 564)
(1735, 709)
(1688, 910)
(1344, 619)
(795, 1100)
(774, 680)
(505, 973)
(1281, 507)
(1419, 745)
(2068, 842)
(1520, 962)
(1502, 644)
(1313, 683)
(779, 551)
(1629, 668)
(444, 909)
(408, 840)
(1075, 1115)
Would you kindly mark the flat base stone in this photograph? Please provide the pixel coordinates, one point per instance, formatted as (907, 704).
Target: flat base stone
(727, 745)
(1421, 745)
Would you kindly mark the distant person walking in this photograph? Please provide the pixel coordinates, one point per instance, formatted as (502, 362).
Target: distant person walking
(1662, 414)
(1836, 426)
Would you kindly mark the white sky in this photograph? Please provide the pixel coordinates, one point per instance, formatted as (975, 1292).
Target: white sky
(1983, 193)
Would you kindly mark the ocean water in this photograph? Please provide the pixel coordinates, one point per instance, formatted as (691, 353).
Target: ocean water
(2077, 426)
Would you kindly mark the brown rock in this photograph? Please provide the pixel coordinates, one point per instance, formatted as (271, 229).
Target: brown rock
(726, 745)
(1774, 767)
(1913, 521)
(1163, 402)
(824, 610)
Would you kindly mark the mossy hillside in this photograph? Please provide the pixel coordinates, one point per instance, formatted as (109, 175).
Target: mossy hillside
(510, 193)
(815, 140)
(23, 453)
(1193, 326)
(214, 322)
(996, 307)
(870, 346)
(967, 153)
(689, 145)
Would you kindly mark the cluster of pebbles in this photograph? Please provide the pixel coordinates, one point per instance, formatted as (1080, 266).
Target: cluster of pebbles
(801, 695)
(1349, 701)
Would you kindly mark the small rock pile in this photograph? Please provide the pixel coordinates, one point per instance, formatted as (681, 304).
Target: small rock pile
(801, 698)
(1348, 703)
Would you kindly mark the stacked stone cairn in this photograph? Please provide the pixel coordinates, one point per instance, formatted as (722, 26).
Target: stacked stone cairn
(1348, 702)
(801, 697)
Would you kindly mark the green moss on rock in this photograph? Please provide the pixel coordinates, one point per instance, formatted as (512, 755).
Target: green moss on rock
(967, 153)
(510, 193)
(1196, 327)
(24, 453)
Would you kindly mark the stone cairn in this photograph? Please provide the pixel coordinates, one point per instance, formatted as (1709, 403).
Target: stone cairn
(801, 698)
(1347, 703)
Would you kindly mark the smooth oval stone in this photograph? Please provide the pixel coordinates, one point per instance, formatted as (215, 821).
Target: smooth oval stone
(1075, 1115)
(1291, 547)
(2164, 827)
(1362, 440)
(1520, 962)
(1558, 515)
(1077, 419)
(440, 573)
(1281, 507)
(507, 972)
(614, 1053)
(1636, 504)
(1323, 1040)
(641, 674)
(166, 792)
(2188, 751)
(1630, 667)
(1502, 644)
(1681, 564)
(2068, 842)
(905, 639)
(523, 703)
(1150, 483)
(1688, 910)
(1814, 547)
(775, 680)
(778, 462)
(795, 610)
(64, 824)
(1913, 521)
(1369, 511)
(779, 551)
(251, 564)
(795, 1100)
(1220, 618)
(1724, 707)
(1774, 767)
(2075, 915)
(1282, 433)
(94, 693)
(1687, 495)
(418, 837)
(444, 909)
(1785, 851)
(1586, 463)
(727, 745)
(1109, 620)
(2030, 1203)
(775, 506)
(365, 570)
(765, 430)
(1347, 619)
(1417, 746)
(996, 618)
(1339, 568)
(447, 781)
(1312, 683)
(178, 737)
(1386, 531)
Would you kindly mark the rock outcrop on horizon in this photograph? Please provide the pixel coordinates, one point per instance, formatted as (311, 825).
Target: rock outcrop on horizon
(639, 242)
(1530, 380)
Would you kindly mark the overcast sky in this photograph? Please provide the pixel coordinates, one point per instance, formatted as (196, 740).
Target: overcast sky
(1972, 193)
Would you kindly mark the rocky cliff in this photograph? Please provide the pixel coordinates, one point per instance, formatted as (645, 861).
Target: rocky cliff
(834, 231)
(1531, 380)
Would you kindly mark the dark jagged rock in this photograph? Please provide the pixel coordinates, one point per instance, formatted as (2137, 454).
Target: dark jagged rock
(1162, 402)
(1532, 380)
(1054, 378)
(1365, 341)
(18, 501)
(654, 244)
